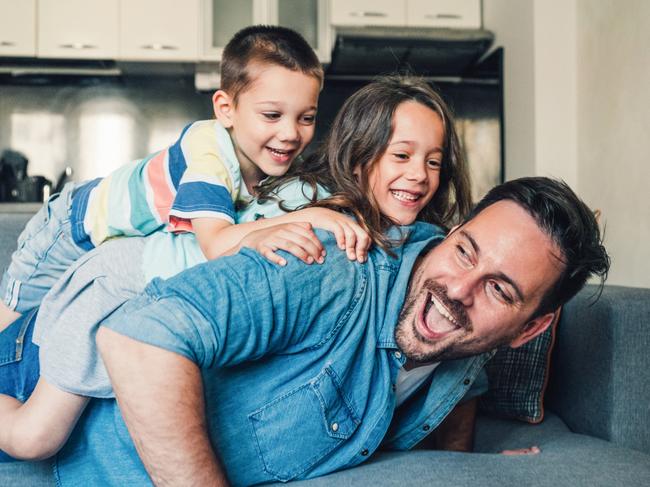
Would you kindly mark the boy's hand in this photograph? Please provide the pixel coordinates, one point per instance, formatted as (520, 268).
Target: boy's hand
(296, 238)
(349, 234)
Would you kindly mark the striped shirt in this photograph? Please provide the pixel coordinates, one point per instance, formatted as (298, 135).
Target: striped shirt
(197, 177)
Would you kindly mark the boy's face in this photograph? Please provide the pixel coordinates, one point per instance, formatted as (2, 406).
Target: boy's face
(271, 122)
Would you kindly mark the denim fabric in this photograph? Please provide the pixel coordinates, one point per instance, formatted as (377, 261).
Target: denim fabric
(299, 364)
(18, 361)
(45, 250)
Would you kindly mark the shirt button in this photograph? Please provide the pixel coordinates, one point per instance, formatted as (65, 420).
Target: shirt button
(426, 427)
(364, 452)
(393, 387)
(19, 341)
(398, 355)
(466, 382)
(335, 427)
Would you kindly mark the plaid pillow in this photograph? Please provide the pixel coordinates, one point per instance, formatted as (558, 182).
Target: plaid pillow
(518, 377)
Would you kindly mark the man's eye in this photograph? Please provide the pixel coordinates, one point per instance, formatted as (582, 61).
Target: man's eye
(271, 115)
(463, 254)
(500, 292)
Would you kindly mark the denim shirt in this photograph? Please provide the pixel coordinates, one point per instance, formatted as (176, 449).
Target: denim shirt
(299, 365)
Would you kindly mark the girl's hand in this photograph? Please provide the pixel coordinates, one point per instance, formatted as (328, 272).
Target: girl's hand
(296, 238)
(349, 234)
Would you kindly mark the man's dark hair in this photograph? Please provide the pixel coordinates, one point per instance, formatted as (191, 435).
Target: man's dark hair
(569, 223)
(265, 44)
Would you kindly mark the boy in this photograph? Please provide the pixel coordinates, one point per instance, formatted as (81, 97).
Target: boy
(265, 114)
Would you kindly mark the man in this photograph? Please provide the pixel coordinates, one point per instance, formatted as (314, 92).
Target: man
(310, 369)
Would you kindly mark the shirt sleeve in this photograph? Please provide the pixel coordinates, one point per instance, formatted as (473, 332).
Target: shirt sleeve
(242, 307)
(206, 188)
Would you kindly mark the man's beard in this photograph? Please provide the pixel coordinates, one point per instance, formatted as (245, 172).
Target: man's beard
(414, 345)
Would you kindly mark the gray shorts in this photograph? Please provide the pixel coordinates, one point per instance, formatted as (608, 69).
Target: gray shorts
(94, 287)
(45, 250)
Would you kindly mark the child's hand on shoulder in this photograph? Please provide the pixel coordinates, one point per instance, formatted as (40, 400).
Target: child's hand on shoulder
(350, 236)
(295, 238)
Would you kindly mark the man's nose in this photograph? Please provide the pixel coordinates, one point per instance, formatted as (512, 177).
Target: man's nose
(462, 287)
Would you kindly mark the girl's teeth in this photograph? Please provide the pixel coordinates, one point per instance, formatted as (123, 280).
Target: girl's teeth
(404, 196)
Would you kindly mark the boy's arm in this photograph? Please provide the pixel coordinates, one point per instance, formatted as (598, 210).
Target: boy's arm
(219, 237)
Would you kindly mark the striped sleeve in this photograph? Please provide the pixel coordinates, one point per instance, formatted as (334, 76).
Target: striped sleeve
(207, 187)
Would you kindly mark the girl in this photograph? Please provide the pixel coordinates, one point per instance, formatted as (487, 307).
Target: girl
(388, 166)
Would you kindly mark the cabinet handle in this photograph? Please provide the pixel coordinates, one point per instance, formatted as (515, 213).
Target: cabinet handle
(159, 47)
(443, 16)
(7, 44)
(77, 45)
(368, 14)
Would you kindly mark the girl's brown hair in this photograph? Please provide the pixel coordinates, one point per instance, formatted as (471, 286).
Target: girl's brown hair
(358, 137)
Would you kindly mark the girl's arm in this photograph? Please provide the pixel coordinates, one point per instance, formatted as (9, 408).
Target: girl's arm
(39, 427)
(218, 237)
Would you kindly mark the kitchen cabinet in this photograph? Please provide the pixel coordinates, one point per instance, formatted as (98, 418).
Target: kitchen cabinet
(407, 13)
(84, 29)
(162, 30)
(223, 18)
(368, 12)
(444, 13)
(18, 28)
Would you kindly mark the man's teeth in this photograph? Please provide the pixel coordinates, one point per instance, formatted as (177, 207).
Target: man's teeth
(404, 195)
(442, 310)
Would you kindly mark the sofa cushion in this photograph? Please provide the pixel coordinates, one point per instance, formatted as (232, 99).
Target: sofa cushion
(566, 459)
(518, 377)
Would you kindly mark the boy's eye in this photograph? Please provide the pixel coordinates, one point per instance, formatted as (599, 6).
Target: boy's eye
(271, 115)
(308, 119)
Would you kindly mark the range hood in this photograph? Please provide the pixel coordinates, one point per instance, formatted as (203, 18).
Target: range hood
(428, 52)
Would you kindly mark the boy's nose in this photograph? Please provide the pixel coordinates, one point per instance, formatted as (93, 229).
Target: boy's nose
(289, 131)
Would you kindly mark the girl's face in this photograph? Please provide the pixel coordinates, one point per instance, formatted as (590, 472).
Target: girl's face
(406, 176)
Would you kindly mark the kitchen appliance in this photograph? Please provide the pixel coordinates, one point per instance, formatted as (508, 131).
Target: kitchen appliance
(16, 185)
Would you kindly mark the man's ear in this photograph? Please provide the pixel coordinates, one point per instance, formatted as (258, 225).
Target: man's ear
(532, 329)
(223, 106)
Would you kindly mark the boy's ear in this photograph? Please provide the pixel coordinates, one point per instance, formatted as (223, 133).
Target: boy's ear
(223, 106)
(532, 329)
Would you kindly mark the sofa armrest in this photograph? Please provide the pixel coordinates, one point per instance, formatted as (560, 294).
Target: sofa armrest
(600, 374)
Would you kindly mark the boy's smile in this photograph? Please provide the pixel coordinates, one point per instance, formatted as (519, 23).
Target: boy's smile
(272, 120)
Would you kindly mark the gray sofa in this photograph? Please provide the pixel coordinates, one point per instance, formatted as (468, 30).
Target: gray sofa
(596, 431)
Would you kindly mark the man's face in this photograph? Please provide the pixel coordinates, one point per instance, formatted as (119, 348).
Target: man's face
(478, 289)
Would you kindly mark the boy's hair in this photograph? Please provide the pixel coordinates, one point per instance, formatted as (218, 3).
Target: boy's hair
(569, 223)
(265, 44)
(360, 135)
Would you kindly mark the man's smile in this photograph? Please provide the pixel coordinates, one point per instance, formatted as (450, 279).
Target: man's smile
(439, 316)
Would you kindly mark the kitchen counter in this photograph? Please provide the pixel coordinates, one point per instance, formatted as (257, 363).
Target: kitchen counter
(20, 207)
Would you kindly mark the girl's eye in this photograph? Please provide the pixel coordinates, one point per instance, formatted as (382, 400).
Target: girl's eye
(271, 115)
(434, 164)
(500, 292)
(401, 156)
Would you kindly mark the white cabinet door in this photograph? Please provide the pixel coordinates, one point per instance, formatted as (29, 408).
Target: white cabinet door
(223, 18)
(463, 14)
(368, 12)
(78, 29)
(307, 17)
(17, 28)
(165, 30)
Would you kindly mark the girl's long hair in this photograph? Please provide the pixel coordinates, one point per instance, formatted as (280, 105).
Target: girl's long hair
(359, 136)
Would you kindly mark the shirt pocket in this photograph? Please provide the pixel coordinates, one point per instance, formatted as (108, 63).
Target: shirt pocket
(297, 430)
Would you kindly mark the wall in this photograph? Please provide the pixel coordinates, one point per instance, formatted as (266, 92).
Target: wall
(578, 107)
(613, 39)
